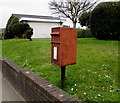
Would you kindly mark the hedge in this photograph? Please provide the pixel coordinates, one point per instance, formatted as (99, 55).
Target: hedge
(105, 21)
(84, 33)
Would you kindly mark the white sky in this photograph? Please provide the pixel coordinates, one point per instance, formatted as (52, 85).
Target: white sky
(32, 7)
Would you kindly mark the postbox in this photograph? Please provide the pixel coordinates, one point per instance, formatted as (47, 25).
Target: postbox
(63, 46)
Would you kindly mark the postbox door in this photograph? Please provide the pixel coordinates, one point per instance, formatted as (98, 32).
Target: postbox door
(55, 49)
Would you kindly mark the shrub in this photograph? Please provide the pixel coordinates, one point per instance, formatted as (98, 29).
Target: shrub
(84, 34)
(105, 21)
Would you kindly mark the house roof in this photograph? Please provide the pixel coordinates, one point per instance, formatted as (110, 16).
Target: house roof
(38, 18)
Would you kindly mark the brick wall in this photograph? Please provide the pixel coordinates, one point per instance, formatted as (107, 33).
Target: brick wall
(33, 87)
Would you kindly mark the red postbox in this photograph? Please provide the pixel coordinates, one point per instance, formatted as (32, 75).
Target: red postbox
(64, 44)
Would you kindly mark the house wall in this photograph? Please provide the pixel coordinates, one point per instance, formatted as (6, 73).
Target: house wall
(42, 29)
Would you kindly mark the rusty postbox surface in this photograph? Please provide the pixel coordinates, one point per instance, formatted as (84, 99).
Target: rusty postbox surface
(64, 44)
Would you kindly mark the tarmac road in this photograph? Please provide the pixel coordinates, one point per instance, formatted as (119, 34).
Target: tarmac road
(7, 92)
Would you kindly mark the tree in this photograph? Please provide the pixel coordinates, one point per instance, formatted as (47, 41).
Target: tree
(8, 30)
(105, 21)
(29, 33)
(84, 19)
(22, 30)
(71, 9)
(8, 22)
(19, 29)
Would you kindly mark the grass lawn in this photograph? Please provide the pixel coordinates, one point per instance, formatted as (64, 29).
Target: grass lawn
(0, 48)
(93, 78)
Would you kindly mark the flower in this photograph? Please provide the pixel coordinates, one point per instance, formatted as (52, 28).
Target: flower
(76, 89)
(103, 65)
(84, 93)
(106, 76)
(89, 70)
(72, 89)
(99, 95)
(94, 72)
(110, 90)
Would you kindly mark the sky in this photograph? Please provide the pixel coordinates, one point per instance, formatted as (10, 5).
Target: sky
(32, 7)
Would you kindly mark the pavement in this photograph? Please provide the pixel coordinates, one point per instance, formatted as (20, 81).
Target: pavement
(7, 92)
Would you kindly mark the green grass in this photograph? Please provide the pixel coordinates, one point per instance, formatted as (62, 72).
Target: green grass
(93, 78)
(0, 48)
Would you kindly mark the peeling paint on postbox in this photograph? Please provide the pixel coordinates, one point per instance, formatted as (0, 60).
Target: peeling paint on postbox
(55, 53)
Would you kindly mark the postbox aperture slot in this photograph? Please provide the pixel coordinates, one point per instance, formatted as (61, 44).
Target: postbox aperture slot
(56, 38)
(55, 34)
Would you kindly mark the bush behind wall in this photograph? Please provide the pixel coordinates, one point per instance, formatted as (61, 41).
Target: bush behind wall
(84, 33)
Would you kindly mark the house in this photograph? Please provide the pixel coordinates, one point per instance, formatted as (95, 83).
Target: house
(2, 30)
(41, 24)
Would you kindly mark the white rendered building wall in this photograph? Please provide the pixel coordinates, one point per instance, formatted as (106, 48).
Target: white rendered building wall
(42, 29)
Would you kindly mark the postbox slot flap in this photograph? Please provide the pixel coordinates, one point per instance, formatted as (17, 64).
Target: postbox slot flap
(57, 42)
(55, 33)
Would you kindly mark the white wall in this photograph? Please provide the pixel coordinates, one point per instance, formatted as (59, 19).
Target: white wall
(42, 30)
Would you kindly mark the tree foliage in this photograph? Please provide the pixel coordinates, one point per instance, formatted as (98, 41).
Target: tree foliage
(8, 31)
(28, 34)
(84, 19)
(20, 28)
(105, 21)
(14, 28)
(71, 9)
